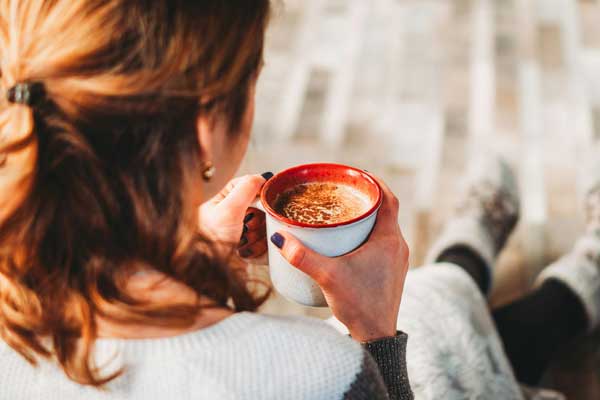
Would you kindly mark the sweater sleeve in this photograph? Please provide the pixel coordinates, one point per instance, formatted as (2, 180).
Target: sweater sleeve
(383, 374)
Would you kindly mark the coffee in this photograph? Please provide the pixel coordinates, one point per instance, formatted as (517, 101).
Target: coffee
(322, 203)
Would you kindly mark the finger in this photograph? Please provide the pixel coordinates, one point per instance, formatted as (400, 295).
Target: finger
(301, 257)
(243, 193)
(253, 236)
(219, 197)
(390, 204)
(254, 250)
(255, 219)
(387, 216)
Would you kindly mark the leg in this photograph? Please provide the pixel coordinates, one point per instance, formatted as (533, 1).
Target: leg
(532, 329)
(565, 304)
(535, 328)
(485, 216)
(454, 351)
(471, 262)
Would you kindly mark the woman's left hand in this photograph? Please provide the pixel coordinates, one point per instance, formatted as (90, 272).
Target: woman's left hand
(228, 217)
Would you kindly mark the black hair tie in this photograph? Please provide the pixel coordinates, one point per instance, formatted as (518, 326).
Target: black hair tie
(27, 93)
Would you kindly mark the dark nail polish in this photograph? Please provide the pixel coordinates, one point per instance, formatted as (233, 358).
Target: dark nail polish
(245, 230)
(278, 240)
(366, 171)
(243, 241)
(248, 218)
(267, 175)
(245, 253)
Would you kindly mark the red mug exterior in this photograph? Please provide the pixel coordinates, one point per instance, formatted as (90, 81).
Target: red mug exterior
(321, 172)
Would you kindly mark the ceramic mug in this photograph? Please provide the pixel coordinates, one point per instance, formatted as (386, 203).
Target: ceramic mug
(330, 240)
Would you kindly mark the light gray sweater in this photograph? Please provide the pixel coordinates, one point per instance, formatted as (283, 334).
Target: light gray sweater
(246, 356)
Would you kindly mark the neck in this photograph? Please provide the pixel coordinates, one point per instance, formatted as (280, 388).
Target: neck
(154, 288)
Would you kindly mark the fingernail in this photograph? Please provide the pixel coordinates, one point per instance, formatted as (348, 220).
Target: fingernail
(366, 171)
(248, 218)
(245, 230)
(245, 253)
(278, 240)
(267, 175)
(243, 241)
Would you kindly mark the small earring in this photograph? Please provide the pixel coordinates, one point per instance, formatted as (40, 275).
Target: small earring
(209, 171)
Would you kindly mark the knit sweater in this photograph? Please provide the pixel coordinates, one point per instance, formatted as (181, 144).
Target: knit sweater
(246, 356)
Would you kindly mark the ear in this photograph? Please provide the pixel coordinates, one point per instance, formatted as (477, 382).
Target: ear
(204, 132)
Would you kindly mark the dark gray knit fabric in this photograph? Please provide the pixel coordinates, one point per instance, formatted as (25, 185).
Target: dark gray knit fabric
(383, 374)
(368, 384)
(390, 356)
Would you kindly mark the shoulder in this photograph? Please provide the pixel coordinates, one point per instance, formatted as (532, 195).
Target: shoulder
(302, 326)
(15, 370)
(304, 338)
(9, 355)
(316, 337)
(280, 353)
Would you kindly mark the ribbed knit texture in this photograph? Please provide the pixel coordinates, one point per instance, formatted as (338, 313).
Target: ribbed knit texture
(390, 356)
(454, 352)
(246, 356)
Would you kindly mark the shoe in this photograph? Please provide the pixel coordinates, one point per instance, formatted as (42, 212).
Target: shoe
(486, 213)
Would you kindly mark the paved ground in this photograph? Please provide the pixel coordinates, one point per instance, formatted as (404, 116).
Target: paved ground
(413, 89)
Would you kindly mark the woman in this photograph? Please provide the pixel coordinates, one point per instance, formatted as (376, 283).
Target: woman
(121, 117)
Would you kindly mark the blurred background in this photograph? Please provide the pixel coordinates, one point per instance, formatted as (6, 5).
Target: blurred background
(411, 90)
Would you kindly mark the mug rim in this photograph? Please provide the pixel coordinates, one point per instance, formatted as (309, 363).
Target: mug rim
(288, 221)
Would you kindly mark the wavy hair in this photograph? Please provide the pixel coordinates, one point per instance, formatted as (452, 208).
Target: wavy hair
(95, 177)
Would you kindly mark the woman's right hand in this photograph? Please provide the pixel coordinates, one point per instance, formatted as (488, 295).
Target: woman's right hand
(363, 288)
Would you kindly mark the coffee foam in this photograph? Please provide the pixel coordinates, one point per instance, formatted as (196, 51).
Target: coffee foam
(322, 203)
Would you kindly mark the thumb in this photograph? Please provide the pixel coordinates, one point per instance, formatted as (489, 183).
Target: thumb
(306, 260)
(243, 193)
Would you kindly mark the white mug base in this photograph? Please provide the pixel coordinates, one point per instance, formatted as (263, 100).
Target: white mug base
(294, 284)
